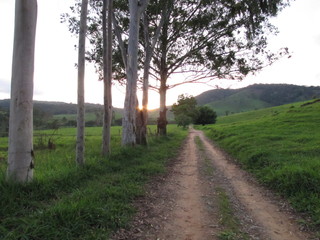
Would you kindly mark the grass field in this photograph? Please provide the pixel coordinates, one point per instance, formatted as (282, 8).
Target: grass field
(281, 146)
(69, 202)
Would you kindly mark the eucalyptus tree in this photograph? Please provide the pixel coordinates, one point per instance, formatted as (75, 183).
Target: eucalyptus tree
(206, 39)
(107, 73)
(210, 40)
(99, 52)
(136, 8)
(81, 72)
(148, 39)
(154, 13)
(20, 151)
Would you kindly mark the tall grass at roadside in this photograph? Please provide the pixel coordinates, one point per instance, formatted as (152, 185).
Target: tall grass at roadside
(90, 202)
(280, 146)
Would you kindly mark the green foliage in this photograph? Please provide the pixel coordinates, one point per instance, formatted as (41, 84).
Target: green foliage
(185, 111)
(4, 123)
(280, 146)
(233, 46)
(206, 115)
(68, 202)
(40, 118)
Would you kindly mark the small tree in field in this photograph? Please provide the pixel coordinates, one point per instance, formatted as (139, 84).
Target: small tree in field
(206, 115)
(185, 111)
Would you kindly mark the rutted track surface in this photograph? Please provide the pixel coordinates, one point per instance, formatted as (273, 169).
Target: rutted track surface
(183, 204)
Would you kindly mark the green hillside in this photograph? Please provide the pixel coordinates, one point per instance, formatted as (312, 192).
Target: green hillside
(241, 101)
(280, 146)
(60, 108)
(154, 114)
(258, 96)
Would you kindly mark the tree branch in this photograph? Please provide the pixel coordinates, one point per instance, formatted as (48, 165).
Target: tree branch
(118, 31)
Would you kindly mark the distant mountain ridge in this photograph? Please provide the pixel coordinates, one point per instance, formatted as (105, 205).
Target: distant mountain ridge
(56, 108)
(223, 101)
(257, 96)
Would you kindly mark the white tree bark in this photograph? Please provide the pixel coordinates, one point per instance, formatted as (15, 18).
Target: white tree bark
(80, 148)
(107, 72)
(20, 152)
(129, 117)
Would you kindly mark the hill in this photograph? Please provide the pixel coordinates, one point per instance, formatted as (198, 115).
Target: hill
(253, 97)
(223, 101)
(57, 108)
(52, 114)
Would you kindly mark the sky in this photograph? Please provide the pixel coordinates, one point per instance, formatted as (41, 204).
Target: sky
(55, 76)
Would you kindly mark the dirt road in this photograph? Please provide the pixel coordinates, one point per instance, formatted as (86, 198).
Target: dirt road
(206, 196)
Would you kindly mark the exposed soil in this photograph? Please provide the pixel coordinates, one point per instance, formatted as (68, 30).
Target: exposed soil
(183, 205)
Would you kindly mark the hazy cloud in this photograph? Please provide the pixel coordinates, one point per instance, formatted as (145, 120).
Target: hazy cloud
(317, 39)
(4, 86)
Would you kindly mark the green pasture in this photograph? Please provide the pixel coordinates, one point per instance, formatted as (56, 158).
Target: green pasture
(69, 202)
(281, 146)
(89, 116)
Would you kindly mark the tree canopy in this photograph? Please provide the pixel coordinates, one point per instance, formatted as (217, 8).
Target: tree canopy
(206, 115)
(205, 40)
(186, 112)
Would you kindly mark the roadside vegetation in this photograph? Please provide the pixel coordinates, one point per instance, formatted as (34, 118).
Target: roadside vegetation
(280, 146)
(89, 202)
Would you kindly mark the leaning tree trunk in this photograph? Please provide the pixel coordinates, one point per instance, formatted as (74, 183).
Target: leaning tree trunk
(129, 117)
(107, 72)
(20, 152)
(81, 72)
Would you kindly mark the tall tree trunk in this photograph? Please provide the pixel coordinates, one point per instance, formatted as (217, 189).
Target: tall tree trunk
(162, 120)
(142, 115)
(107, 72)
(81, 72)
(20, 152)
(129, 117)
(139, 126)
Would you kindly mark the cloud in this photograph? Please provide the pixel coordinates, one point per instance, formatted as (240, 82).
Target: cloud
(4, 86)
(317, 39)
(5, 89)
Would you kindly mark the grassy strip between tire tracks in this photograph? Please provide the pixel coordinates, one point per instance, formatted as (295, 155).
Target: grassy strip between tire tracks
(231, 228)
(280, 146)
(67, 202)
